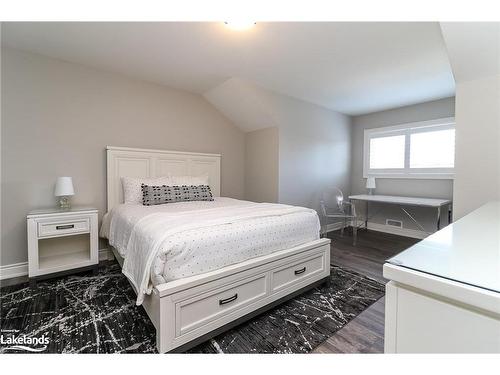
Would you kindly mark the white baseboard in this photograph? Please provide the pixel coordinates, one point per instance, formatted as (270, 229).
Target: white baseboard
(386, 229)
(398, 231)
(13, 270)
(21, 269)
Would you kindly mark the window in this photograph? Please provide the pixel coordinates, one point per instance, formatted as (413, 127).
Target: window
(417, 150)
(387, 152)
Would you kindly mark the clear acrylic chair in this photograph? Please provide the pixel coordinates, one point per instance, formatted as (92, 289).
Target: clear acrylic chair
(333, 206)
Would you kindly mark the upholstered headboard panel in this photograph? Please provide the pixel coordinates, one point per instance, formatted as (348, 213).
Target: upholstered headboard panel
(134, 162)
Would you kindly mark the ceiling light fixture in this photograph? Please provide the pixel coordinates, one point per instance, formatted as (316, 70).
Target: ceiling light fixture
(240, 25)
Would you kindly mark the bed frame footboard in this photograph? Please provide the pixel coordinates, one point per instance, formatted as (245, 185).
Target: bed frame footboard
(188, 311)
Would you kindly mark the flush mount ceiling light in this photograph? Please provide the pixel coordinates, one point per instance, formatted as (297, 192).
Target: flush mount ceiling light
(240, 25)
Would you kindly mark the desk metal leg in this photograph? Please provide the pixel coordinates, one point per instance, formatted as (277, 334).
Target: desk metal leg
(438, 223)
(354, 222)
(366, 216)
(355, 232)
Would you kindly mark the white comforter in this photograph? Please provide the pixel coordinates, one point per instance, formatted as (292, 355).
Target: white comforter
(172, 241)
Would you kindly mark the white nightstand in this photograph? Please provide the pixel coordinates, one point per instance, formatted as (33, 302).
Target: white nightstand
(61, 240)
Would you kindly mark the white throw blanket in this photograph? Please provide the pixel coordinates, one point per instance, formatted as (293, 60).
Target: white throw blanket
(151, 231)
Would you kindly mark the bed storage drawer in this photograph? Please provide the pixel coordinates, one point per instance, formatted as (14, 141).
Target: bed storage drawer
(200, 310)
(300, 270)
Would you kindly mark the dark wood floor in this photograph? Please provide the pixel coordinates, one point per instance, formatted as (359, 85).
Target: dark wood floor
(365, 333)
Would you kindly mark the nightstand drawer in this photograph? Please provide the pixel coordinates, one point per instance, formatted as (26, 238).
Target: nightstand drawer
(61, 227)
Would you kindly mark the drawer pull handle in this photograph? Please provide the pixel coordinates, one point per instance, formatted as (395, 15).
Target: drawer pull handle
(302, 270)
(227, 300)
(68, 226)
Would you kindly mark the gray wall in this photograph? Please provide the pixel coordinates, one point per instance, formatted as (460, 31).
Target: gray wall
(314, 152)
(404, 187)
(477, 167)
(57, 119)
(314, 142)
(262, 165)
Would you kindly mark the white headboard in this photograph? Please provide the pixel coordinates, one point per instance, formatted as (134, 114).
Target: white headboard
(135, 162)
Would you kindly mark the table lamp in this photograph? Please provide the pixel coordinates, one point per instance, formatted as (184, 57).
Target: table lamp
(64, 190)
(370, 185)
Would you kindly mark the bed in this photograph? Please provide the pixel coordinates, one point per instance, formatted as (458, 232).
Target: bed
(201, 267)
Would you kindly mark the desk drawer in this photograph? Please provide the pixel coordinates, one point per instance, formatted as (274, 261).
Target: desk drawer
(297, 272)
(58, 227)
(201, 310)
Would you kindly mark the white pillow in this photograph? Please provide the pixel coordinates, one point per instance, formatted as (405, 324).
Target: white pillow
(190, 180)
(132, 192)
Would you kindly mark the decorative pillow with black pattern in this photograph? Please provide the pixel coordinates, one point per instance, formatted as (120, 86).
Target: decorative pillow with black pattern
(153, 195)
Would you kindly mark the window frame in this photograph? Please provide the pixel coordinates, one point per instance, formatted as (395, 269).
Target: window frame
(406, 130)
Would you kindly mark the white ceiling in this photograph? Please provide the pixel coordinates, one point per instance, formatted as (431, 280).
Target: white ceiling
(353, 68)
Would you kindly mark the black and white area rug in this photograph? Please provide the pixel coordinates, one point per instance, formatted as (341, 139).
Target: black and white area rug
(97, 314)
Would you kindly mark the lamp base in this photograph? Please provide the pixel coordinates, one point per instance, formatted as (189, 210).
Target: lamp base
(370, 191)
(64, 203)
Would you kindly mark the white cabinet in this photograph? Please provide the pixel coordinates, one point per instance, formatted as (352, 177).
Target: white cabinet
(444, 292)
(61, 240)
(428, 314)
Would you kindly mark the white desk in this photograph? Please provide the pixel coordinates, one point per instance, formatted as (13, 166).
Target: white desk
(444, 292)
(405, 201)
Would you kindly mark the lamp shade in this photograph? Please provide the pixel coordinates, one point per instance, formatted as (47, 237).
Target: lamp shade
(370, 183)
(64, 187)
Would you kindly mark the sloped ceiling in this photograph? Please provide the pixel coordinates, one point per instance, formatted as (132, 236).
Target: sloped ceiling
(473, 48)
(244, 104)
(348, 67)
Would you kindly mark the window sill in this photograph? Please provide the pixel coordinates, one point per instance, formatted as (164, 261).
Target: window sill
(418, 176)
